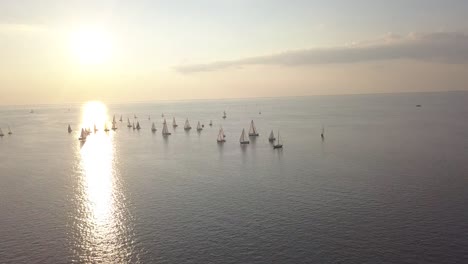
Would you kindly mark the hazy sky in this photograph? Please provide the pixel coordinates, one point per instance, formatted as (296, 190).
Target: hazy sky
(52, 51)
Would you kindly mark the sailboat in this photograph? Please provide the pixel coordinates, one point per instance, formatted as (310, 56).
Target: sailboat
(224, 115)
(271, 138)
(69, 129)
(114, 126)
(120, 118)
(243, 139)
(83, 136)
(174, 124)
(211, 122)
(187, 125)
(165, 131)
(138, 125)
(278, 143)
(128, 123)
(9, 131)
(199, 127)
(221, 136)
(253, 131)
(106, 129)
(153, 128)
(95, 129)
(323, 133)
(1, 133)
(113, 120)
(133, 125)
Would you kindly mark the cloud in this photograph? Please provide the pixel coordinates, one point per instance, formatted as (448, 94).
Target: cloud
(442, 47)
(17, 28)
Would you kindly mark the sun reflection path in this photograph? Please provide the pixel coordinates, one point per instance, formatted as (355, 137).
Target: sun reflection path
(104, 226)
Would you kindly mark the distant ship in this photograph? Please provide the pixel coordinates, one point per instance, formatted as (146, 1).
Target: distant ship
(187, 125)
(224, 115)
(271, 138)
(9, 131)
(83, 135)
(221, 136)
(153, 128)
(69, 129)
(199, 127)
(253, 131)
(165, 131)
(174, 124)
(278, 143)
(243, 139)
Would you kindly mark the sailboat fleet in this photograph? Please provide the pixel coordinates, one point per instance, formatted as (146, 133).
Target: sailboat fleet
(221, 137)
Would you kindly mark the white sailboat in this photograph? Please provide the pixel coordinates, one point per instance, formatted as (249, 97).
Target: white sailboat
(174, 124)
(121, 120)
(165, 131)
(153, 127)
(211, 122)
(278, 143)
(106, 129)
(221, 136)
(271, 138)
(199, 127)
(69, 129)
(114, 126)
(83, 135)
(243, 139)
(187, 125)
(113, 120)
(253, 131)
(95, 129)
(224, 115)
(1, 133)
(128, 123)
(138, 126)
(9, 131)
(133, 125)
(323, 133)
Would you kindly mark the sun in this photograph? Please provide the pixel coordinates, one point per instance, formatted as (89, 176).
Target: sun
(91, 45)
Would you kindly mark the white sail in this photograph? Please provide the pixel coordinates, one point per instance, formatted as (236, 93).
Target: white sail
(69, 129)
(114, 126)
(221, 135)
(9, 131)
(243, 139)
(128, 122)
(174, 124)
(153, 127)
(187, 125)
(272, 136)
(253, 130)
(165, 131)
(120, 118)
(164, 122)
(199, 127)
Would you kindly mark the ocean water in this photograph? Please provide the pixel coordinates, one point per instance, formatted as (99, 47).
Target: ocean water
(388, 184)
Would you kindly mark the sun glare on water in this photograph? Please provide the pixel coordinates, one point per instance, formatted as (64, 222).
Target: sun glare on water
(91, 46)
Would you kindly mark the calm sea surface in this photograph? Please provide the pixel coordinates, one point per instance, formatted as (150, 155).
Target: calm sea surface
(388, 184)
